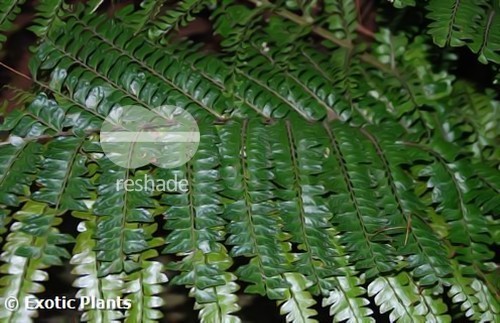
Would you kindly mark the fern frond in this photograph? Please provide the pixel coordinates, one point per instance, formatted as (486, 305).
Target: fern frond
(487, 201)
(245, 151)
(402, 297)
(305, 215)
(195, 219)
(280, 92)
(487, 302)
(217, 303)
(177, 17)
(472, 23)
(347, 301)
(396, 295)
(405, 87)
(488, 46)
(476, 121)
(9, 9)
(262, 53)
(341, 18)
(86, 267)
(329, 169)
(124, 227)
(355, 210)
(412, 234)
(18, 166)
(461, 20)
(32, 245)
(142, 289)
(61, 177)
(158, 18)
(467, 228)
(471, 293)
(216, 72)
(298, 301)
(137, 20)
(236, 23)
(41, 116)
(48, 16)
(194, 91)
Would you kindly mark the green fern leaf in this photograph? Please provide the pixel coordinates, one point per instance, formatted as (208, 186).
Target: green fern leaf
(471, 23)
(362, 175)
(298, 301)
(18, 164)
(33, 245)
(9, 9)
(195, 218)
(88, 282)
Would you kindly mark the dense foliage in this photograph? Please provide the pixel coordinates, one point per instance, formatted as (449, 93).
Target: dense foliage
(335, 171)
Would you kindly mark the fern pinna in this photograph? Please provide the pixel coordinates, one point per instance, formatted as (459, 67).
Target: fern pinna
(343, 174)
